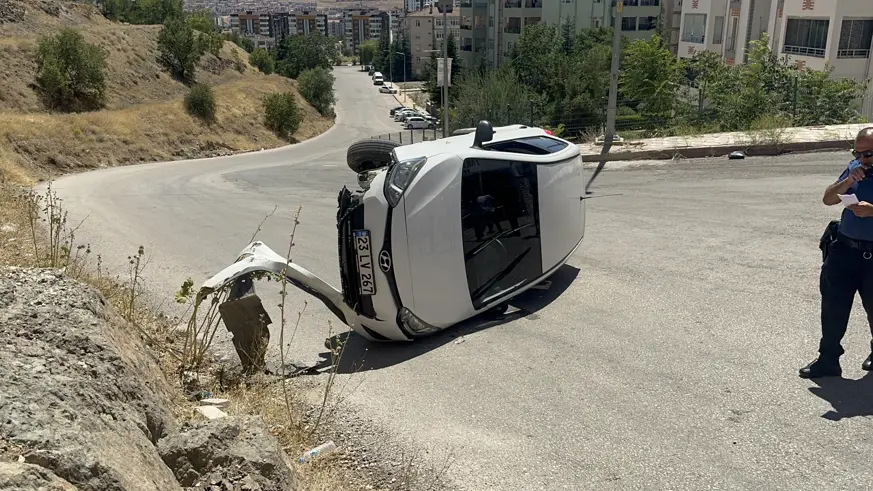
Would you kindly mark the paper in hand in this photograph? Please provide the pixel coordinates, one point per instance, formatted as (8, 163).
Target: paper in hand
(848, 199)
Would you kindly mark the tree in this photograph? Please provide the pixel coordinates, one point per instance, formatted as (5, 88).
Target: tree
(200, 102)
(367, 51)
(201, 20)
(282, 115)
(71, 73)
(316, 86)
(263, 60)
(495, 96)
(304, 51)
(180, 49)
(142, 11)
(651, 75)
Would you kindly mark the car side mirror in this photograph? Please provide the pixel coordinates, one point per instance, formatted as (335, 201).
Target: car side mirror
(484, 133)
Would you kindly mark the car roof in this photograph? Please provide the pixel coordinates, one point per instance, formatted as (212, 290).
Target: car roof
(461, 145)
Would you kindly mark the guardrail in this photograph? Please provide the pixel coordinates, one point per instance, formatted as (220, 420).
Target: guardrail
(415, 135)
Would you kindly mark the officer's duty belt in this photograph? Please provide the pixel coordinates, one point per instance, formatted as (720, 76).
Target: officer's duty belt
(861, 245)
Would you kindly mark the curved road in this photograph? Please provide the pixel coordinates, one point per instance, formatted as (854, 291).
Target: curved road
(669, 361)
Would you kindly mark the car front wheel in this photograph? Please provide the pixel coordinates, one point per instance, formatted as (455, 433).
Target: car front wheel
(369, 154)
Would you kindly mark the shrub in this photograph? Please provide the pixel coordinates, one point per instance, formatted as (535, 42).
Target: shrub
(282, 115)
(263, 60)
(71, 72)
(200, 102)
(316, 86)
(180, 48)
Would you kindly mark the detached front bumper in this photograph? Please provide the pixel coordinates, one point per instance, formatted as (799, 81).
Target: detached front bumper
(258, 257)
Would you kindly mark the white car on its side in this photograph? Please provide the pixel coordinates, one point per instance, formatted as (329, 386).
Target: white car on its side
(442, 230)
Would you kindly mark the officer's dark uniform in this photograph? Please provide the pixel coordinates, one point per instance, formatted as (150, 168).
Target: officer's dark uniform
(847, 268)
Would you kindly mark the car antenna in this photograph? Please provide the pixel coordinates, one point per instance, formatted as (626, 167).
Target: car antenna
(484, 133)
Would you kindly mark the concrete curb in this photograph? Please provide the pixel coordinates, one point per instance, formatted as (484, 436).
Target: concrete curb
(719, 151)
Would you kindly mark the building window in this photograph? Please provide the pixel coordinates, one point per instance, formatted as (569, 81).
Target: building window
(718, 30)
(650, 3)
(806, 37)
(628, 23)
(694, 28)
(647, 23)
(855, 38)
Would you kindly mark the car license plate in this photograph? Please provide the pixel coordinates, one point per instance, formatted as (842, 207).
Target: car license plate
(366, 281)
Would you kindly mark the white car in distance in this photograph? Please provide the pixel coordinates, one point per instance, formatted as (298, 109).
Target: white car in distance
(417, 122)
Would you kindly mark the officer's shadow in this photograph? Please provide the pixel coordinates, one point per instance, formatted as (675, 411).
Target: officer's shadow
(848, 397)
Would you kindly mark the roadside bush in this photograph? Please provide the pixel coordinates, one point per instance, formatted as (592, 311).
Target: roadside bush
(200, 102)
(71, 73)
(180, 49)
(282, 115)
(316, 86)
(263, 60)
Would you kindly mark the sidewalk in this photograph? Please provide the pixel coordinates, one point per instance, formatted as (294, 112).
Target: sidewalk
(406, 100)
(765, 142)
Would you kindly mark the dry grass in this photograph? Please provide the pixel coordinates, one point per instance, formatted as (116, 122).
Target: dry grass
(22, 244)
(150, 132)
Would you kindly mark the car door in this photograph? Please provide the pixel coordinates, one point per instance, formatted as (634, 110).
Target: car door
(501, 229)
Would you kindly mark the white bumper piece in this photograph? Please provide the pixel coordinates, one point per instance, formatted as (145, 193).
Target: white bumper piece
(258, 257)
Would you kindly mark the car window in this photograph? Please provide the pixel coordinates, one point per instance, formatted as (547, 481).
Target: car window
(535, 145)
(500, 226)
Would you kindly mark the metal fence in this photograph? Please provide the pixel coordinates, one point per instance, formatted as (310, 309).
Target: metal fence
(407, 137)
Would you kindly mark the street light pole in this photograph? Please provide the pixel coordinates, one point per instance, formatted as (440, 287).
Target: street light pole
(612, 107)
(445, 74)
(445, 6)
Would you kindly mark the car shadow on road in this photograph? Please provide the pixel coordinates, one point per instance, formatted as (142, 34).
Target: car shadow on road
(360, 354)
(849, 398)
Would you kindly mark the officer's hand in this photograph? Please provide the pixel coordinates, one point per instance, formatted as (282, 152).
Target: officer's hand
(856, 175)
(862, 209)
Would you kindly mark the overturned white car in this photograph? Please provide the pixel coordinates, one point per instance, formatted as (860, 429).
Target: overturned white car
(442, 230)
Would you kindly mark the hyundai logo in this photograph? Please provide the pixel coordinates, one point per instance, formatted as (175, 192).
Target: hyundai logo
(384, 261)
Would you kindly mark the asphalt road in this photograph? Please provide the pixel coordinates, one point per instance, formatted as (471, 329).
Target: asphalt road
(668, 361)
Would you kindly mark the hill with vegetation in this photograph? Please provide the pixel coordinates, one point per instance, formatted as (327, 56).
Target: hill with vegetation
(84, 88)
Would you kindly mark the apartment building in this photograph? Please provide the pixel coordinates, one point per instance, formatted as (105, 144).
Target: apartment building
(490, 28)
(362, 25)
(424, 29)
(307, 22)
(723, 26)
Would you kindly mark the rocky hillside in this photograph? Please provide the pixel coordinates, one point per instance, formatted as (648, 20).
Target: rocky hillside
(144, 117)
(84, 404)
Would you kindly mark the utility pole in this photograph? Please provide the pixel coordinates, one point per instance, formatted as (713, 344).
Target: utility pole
(612, 106)
(445, 6)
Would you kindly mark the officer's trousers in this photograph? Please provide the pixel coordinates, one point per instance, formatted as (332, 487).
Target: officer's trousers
(845, 271)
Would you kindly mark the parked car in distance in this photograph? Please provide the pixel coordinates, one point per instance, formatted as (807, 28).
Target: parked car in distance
(395, 109)
(388, 89)
(417, 122)
(377, 79)
(401, 115)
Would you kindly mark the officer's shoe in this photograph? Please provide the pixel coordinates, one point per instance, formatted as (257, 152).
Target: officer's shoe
(868, 363)
(821, 368)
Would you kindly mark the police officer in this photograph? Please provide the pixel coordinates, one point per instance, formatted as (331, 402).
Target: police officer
(848, 265)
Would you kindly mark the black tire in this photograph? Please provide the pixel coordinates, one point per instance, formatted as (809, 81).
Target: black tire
(369, 154)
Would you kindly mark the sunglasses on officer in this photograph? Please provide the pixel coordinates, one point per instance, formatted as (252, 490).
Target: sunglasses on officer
(865, 154)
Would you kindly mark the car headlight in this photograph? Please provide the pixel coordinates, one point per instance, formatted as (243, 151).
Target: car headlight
(413, 323)
(399, 177)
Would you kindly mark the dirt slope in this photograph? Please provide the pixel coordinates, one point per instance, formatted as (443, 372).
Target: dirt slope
(145, 119)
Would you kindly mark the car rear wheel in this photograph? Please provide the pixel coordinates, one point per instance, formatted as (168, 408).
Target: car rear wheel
(369, 154)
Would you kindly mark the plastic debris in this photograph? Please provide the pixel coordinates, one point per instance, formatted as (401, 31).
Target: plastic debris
(315, 452)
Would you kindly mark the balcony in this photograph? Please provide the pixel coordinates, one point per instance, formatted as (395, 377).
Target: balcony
(853, 53)
(694, 38)
(804, 51)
